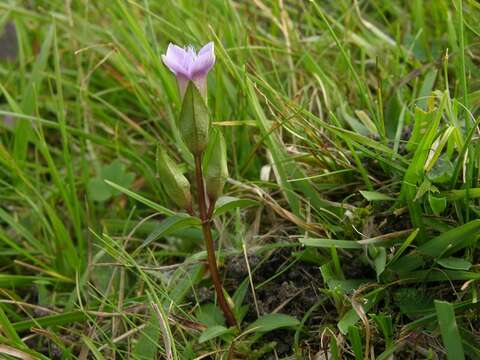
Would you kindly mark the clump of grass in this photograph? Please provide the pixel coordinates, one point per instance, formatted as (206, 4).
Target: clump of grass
(352, 138)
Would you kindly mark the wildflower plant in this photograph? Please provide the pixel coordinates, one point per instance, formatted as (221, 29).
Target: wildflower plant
(191, 70)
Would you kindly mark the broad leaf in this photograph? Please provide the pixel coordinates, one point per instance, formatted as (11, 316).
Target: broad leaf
(227, 203)
(171, 224)
(212, 333)
(271, 322)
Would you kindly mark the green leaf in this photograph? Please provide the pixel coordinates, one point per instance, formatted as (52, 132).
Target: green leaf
(412, 302)
(415, 172)
(146, 346)
(375, 196)
(7, 328)
(460, 194)
(227, 203)
(402, 248)
(442, 171)
(356, 342)
(182, 282)
(12, 281)
(449, 330)
(380, 261)
(210, 315)
(212, 332)
(328, 243)
(279, 156)
(385, 324)
(271, 322)
(452, 240)
(51, 320)
(98, 190)
(454, 263)
(407, 263)
(97, 355)
(161, 209)
(351, 317)
(438, 204)
(29, 96)
(169, 225)
(114, 172)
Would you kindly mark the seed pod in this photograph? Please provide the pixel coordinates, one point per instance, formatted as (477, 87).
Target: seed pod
(216, 172)
(194, 120)
(173, 181)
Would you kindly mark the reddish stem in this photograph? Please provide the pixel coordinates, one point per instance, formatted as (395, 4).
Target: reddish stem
(207, 235)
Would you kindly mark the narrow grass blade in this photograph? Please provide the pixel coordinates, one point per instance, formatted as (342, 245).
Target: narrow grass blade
(449, 329)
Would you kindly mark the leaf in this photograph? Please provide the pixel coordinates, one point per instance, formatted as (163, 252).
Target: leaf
(328, 243)
(459, 194)
(115, 172)
(442, 171)
(210, 315)
(50, 320)
(425, 187)
(415, 172)
(385, 324)
(407, 263)
(375, 196)
(146, 346)
(402, 248)
(279, 156)
(7, 328)
(169, 225)
(29, 102)
(452, 240)
(412, 302)
(454, 263)
(212, 332)
(438, 204)
(98, 190)
(380, 261)
(96, 353)
(271, 322)
(356, 342)
(182, 282)
(351, 317)
(449, 330)
(161, 209)
(227, 203)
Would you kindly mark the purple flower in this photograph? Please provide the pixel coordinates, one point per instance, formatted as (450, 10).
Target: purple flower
(187, 65)
(9, 121)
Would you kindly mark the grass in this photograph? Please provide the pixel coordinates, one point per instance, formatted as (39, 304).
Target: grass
(350, 224)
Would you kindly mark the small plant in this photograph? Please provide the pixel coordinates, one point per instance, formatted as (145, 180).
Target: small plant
(191, 70)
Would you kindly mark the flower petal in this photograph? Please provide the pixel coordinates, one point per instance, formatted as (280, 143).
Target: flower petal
(174, 59)
(203, 63)
(208, 48)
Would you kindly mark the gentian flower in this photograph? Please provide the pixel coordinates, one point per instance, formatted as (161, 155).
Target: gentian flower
(187, 65)
(9, 121)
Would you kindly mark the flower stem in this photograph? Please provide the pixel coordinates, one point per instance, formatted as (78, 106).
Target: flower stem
(207, 235)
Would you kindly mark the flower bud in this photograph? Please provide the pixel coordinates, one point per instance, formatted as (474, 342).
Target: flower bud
(174, 182)
(194, 120)
(216, 172)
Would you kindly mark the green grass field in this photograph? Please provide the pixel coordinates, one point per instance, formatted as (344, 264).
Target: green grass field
(350, 220)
